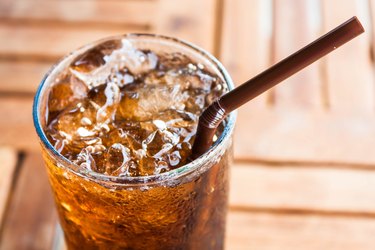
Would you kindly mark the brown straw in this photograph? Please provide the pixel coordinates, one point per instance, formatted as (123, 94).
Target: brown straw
(217, 111)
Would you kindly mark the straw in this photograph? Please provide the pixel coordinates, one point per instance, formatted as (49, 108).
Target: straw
(218, 110)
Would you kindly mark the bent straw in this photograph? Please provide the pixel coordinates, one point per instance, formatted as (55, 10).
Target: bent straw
(218, 110)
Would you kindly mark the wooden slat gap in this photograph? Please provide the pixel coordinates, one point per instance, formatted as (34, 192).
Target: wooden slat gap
(298, 164)
(324, 91)
(272, 56)
(136, 1)
(74, 25)
(323, 73)
(16, 94)
(371, 31)
(302, 212)
(218, 29)
(15, 58)
(23, 57)
(20, 160)
(372, 36)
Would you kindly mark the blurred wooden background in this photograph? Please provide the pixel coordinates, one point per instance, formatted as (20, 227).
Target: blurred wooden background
(304, 173)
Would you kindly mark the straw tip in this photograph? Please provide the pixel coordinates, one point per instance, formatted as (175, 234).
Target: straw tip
(358, 24)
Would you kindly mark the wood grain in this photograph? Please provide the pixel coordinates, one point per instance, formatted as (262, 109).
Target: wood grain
(8, 160)
(258, 231)
(291, 136)
(138, 13)
(246, 40)
(17, 123)
(193, 21)
(31, 219)
(22, 76)
(349, 69)
(31, 40)
(371, 24)
(303, 189)
(293, 29)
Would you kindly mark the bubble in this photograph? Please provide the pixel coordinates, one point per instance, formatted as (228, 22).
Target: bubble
(86, 121)
(162, 166)
(174, 158)
(160, 124)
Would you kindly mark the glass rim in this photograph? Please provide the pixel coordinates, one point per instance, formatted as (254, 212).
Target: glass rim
(141, 180)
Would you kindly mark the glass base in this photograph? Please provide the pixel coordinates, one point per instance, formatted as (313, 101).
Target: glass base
(59, 241)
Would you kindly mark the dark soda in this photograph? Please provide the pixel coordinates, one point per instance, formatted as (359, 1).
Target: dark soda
(123, 119)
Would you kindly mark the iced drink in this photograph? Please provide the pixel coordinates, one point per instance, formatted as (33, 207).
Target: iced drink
(117, 120)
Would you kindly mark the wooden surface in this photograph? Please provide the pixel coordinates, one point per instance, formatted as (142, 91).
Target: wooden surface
(304, 172)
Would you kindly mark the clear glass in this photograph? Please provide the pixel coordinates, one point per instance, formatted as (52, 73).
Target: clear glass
(184, 208)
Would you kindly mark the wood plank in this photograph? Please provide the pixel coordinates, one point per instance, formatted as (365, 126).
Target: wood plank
(294, 232)
(350, 70)
(83, 11)
(372, 25)
(51, 41)
(288, 135)
(193, 21)
(372, 19)
(303, 188)
(22, 76)
(17, 123)
(293, 29)
(8, 161)
(31, 219)
(245, 50)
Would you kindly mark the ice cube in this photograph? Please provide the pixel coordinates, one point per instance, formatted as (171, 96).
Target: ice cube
(94, 58)
(135, 113)
(173, 61)
(112, 99)
(196, 101)
(155, 99)
(137, 61)
(117, 158)
(154, 77)
(85, 160)
(67, 91)
(128, 106)
(150, 101)
(169, 137)
(164, 150)
(125, 132)
(68, 131)
(92, 67)
(147, 166)
(121, 77)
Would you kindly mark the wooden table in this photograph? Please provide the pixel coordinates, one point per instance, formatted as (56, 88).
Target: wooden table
(304, 174)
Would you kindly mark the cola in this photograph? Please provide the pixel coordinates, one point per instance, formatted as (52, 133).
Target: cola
(121, 116)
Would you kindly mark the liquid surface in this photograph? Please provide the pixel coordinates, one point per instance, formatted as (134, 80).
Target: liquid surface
(121, 111)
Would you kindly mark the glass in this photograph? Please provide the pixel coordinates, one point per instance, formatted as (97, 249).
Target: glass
(184, 208)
